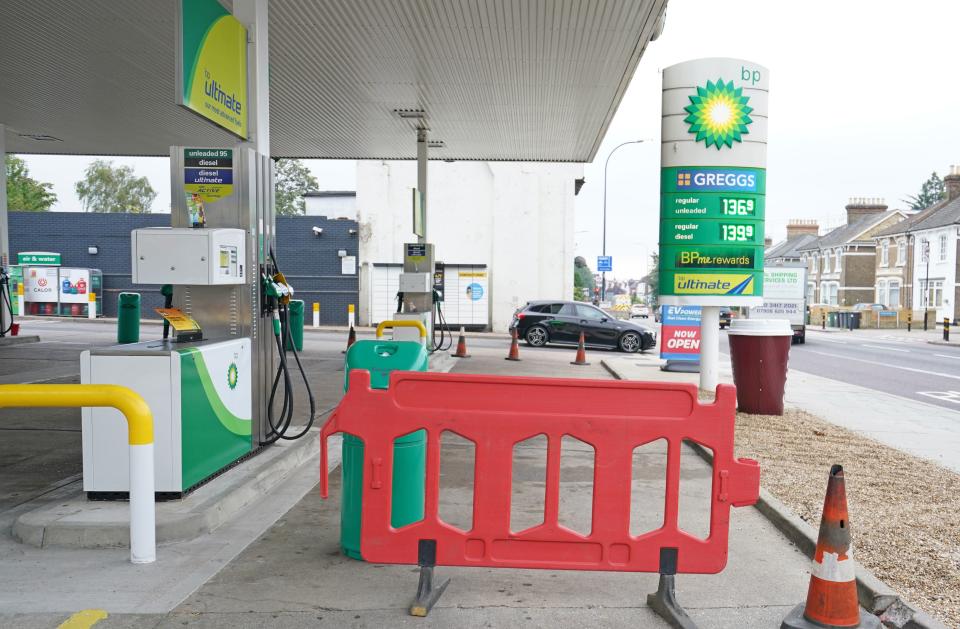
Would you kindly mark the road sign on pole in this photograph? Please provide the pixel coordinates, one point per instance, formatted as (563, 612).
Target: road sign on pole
(604, 264)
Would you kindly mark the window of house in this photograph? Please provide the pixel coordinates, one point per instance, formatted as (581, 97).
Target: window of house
(893, 291)
(811, 292)
(885, 254)
(826, 262)
(881, 297)
(839, 259)
(943, 247)
(932, 292)
(902, 252)
(828, 292)
(834, 290)
(813, 263)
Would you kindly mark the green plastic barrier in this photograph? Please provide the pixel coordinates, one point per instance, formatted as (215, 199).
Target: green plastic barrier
(128, 318)
(295, 321)
(409, 452)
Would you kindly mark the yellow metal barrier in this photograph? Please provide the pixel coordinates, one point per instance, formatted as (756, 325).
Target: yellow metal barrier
(402, 324)
(140, 430)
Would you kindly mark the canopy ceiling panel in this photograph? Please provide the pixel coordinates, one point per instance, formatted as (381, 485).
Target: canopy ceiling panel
(496, 79)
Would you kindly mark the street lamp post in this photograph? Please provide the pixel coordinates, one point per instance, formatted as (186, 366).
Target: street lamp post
(603, 274)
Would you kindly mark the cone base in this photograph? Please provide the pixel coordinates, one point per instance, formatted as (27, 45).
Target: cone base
(514, 359)
(460, 355)
(796, 620)
(579, 362)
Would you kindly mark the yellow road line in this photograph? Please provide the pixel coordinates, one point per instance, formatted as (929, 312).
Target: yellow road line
(84, 619)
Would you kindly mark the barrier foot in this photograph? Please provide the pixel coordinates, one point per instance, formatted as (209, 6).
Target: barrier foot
(428, 593)
(664, 602)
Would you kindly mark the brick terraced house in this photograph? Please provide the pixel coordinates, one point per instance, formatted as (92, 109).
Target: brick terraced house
(917, 261)
(841, 264)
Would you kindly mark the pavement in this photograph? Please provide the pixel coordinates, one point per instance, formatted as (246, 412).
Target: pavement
(278, 562)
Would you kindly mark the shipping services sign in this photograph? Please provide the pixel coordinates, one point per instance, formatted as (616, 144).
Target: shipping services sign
(713, 183)
(212, 64)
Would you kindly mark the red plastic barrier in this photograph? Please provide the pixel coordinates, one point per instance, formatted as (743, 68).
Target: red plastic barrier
(497, 412)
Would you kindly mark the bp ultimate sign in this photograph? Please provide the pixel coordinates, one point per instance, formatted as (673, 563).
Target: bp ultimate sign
(713, 182)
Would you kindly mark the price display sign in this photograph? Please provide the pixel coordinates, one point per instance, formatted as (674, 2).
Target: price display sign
(713, 183)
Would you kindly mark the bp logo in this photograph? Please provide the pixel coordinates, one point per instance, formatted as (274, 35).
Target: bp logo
(718, 114)
(233, 374)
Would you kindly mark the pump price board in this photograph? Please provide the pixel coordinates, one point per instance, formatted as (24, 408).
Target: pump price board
(713, 183)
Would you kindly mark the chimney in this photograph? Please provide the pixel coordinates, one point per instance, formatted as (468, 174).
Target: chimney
(952, 183)
(800, 226)
(767, 242)
(858, 207)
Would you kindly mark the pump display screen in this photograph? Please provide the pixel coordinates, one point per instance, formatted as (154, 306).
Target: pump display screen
(228, 260)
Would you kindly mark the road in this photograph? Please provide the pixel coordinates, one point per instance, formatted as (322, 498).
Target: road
(911, 369)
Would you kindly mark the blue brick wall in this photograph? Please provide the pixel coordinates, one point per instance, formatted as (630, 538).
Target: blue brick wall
(310, 262)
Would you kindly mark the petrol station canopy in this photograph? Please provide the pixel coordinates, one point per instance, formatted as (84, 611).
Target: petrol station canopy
(497, 79)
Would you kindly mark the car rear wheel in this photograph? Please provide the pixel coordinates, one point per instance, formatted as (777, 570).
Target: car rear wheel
(630, 342)
(536, 336)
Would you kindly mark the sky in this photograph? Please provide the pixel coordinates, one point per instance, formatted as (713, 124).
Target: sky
(863, 103)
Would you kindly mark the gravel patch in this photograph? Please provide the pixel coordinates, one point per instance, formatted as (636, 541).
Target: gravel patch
(904, 511)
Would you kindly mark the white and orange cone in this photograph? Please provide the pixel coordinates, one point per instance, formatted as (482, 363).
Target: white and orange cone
(832, 596)
(514, 346)
(581, 353)
(461, 346)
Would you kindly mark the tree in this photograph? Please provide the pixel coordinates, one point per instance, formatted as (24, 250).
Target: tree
(106, 188)
(583, 283)
(653, 279)
(24, 193)
(932, 191)
(293, 179)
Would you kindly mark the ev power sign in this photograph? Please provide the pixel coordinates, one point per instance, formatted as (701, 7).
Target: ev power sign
(713, 183)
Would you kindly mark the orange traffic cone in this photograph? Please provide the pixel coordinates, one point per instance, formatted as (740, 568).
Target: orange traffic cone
(351, 339)
(581, 353)
(461, 346)
(832, 597)
(514, 346)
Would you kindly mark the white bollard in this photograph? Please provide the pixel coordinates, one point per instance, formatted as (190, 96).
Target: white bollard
(351, 316)
(316, 315)
(143, 536)
(92, 306)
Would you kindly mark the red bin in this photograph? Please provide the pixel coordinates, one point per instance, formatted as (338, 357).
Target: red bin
(759, 349)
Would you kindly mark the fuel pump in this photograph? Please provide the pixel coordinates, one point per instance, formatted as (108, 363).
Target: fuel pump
(213, 383)
(419, 299)
(6, 306)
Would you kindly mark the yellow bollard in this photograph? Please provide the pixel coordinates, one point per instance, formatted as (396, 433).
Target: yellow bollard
(143, 543)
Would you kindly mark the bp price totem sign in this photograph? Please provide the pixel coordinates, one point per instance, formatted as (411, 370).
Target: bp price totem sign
(713, 182)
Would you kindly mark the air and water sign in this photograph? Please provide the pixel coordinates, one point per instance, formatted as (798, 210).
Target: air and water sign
(212, 64)
(713, 183)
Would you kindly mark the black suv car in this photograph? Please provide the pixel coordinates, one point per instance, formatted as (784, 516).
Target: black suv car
(542, 322)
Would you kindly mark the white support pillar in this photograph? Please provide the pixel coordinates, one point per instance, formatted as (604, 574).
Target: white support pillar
(5, 316)
(254, 13)
(422, 177)
(4, 230)
(709, 348)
